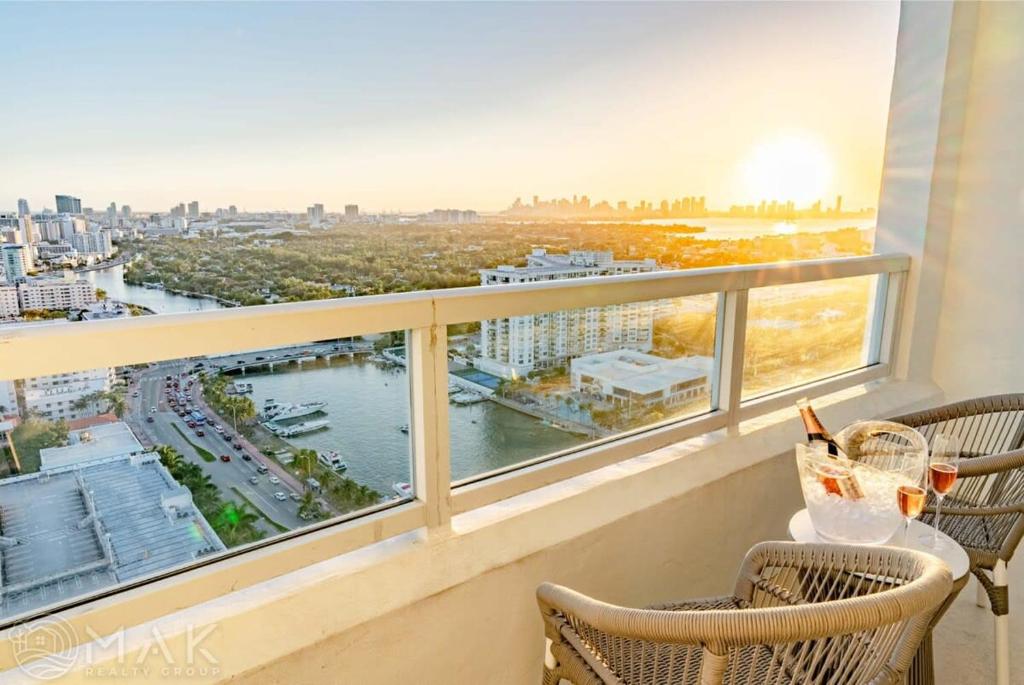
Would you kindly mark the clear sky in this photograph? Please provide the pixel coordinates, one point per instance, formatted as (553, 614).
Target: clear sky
(415, 106)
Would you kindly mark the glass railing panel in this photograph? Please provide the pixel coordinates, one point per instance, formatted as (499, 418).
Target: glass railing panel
(114, 474)
(804, 332)
(525, 387)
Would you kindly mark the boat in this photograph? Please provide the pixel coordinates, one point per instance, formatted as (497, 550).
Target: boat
(404, 428)
(403, 490)
(298, 428)
(283, 411)
(332, 460)
(467, 398)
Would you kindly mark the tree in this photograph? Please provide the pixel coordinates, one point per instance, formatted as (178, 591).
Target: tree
(235, 523)
(309, 507)
(110, 400)
(306, 461)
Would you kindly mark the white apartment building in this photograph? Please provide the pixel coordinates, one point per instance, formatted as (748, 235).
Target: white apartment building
(94, 242)
(9, 302)
(17, 261)
(634, 379)
(8, 399)
(55, 397)
(513, 347)
(50, 293)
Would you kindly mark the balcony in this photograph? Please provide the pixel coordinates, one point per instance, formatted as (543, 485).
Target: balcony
(437, 582)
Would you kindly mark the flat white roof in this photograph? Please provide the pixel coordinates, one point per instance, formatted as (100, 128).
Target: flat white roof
(640, 372)
(90, 444)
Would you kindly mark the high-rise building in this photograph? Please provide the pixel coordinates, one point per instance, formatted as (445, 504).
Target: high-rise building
(315, 214)
(193, 209)
(23, 207)
(66, 204)
(839, 204)
(16, 261)
(514, 346)
(98, 242)
(351, 212)
(126, 211)
(112, 214)
(232, 211)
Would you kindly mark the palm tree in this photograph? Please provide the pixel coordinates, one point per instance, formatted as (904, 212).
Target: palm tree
(305, 459)
(309, 507)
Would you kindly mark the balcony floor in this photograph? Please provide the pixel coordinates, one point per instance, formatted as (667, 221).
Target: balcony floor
(964, 647)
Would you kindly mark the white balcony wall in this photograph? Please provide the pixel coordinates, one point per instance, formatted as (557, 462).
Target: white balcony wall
(978, 348)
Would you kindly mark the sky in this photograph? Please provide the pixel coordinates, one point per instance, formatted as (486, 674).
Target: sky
(415, 106)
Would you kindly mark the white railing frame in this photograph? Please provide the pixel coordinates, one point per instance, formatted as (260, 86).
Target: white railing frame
(49, 349)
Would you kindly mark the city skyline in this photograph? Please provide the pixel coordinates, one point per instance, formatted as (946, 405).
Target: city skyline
(423, 106)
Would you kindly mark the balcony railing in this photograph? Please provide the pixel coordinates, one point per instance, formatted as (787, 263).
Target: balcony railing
(51, 349)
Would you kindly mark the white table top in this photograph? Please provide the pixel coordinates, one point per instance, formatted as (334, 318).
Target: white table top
(801, 530)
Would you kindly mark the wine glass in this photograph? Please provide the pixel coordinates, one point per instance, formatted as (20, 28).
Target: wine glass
(910, 499)
(942, 470)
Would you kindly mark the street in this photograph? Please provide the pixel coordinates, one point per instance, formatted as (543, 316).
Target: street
(232, 477)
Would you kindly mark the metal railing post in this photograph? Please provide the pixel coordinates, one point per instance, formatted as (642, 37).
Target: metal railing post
(427, 356)
(730, 358)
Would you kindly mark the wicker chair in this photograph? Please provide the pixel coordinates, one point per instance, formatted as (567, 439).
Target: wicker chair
(800, 613)
(985, 510)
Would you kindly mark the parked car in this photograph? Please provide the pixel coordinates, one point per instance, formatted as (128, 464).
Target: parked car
(225, 457)
(280, 496)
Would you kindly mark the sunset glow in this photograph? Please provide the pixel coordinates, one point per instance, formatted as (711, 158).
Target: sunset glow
(796, 167)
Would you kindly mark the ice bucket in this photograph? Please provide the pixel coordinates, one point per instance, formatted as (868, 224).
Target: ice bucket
(853, 498)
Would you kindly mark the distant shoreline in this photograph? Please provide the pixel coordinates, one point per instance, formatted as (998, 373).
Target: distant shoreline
(105, 265)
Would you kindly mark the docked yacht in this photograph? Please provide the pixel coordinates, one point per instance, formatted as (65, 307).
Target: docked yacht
(298, 428)
(332, 460)
(283, 411)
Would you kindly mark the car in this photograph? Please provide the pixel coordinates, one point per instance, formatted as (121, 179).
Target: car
(181, 413)
(237, 445)
(149, 419)
(225, 457)
(191, 424)
(295, 496)
(259, 359)
(275, 480)
(246, 457)
(135, 394)
(200, 433)
(280, 496)
(261, 468)
(227, 436)
(152, 410)
(254, 480)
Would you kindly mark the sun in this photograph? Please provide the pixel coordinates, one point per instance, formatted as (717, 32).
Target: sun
(793, 166)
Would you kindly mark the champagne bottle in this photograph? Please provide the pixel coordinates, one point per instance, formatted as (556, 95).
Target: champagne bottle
(838, 478)
(816, 431)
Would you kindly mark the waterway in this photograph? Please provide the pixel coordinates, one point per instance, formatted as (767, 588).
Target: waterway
(159, 301)
(367, 405)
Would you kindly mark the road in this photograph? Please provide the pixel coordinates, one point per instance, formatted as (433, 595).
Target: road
(228, 476)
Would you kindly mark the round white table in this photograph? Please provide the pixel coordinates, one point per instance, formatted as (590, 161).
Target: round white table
(801, 530)
(922, 671)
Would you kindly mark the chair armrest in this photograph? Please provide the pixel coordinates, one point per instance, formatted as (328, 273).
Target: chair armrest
(989, 464)
(978, 511)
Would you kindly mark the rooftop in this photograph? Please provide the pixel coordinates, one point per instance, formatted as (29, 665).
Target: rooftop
(90, 444)
(642, 373)
(74, 530)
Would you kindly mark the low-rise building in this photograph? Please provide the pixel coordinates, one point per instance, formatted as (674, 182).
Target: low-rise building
(79, 529)
(9, 308)
(56, 293)
(91, 444)
(64, 395)
(635, 379)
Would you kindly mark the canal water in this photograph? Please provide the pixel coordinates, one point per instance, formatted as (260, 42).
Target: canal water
(367, 405)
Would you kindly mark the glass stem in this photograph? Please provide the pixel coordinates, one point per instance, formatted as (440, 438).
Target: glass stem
(935, 530)
(906, 531)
